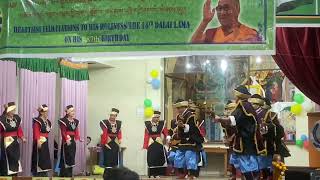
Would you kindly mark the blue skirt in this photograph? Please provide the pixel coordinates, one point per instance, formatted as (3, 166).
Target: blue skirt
(186, 159)
(265, 162)
(171, 156)
(245, 163)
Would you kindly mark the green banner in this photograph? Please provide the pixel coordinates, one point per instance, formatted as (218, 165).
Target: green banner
(298, 12)
(137, 26)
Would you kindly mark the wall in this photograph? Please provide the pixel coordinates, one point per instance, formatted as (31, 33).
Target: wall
(300, 156)
(125, 87)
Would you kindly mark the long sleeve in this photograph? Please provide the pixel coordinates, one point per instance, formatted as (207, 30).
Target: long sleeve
(1, 130)
(202, 131)
(119, 135)
(63, 132)
(194, 132)
(77, 134)
(104, 136)
(170, 131)
(36, 131)
(20, 132)
(146, 139)
(165, 132)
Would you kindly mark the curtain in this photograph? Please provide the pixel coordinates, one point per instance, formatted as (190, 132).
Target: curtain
(36, 88)
(38, 65)
(76, 93)
(298, 56)
(8, 82)
(74, 71)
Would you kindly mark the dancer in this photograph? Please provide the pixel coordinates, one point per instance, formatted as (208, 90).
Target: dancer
(188, 136)
(41, 161)
(229, 134)
(111, 140)
(70, 134)
(172, 145)
(248, 140)
(154, 138)
(10, 132)
(267, 130)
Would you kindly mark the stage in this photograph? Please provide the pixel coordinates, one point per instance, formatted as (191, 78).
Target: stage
(213, 177)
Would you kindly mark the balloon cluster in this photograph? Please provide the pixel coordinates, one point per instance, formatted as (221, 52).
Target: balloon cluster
(155, 82)
(297, 108)
(303, 142)
(148, 110)
(301, 105)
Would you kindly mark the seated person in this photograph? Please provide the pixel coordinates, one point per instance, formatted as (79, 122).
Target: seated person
(120, 173)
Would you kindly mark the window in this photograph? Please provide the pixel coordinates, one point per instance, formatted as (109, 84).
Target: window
(209, 81)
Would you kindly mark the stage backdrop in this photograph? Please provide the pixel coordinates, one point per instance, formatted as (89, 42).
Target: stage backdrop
(135, 26)
(298, 12)
(74, 91)
(8, 83)
(37, 84)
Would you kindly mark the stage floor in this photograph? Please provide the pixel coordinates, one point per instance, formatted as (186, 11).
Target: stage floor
(200, 178)
(205, 177)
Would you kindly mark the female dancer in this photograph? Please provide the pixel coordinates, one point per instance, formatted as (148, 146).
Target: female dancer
(41, 161)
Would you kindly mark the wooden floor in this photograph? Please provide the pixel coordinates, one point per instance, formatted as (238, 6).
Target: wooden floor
(203, 177)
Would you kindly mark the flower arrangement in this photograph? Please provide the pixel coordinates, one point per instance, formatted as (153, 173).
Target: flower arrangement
(279, 167)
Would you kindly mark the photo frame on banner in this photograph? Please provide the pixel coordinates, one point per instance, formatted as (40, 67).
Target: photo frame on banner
(136, 27)
(298, 12)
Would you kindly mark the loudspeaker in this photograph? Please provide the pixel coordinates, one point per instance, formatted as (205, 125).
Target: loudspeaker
(302, 173)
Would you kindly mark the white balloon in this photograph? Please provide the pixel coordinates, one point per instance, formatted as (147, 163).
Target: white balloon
(308, 106)
(157, 107)
(149, 80)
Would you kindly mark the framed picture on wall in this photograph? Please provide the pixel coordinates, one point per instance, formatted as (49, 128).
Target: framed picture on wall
(288, 121)
(286, 118)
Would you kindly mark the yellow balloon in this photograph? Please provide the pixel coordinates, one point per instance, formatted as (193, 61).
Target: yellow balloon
(154, 74)
(296, 109)
(148, 112)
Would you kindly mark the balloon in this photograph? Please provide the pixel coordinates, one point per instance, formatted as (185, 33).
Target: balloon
(299, 143)
(148, 112)
(296, 109)
(298, 98)
(149, 80)
(97, 170)
(306, 144)
(157, 107)
(147, 103)
(304, 137)
(155, 83)
(154, 74)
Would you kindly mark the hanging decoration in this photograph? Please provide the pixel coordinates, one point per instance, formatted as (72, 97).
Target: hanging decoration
(154, 74)
(155, 81)
(299, 143)
(298, 98)
(296, 109)
(155, 84)
(147, 103)
(148, 112)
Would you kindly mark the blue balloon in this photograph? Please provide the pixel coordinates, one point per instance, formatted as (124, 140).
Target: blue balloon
(304, 137)
(155, 83)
